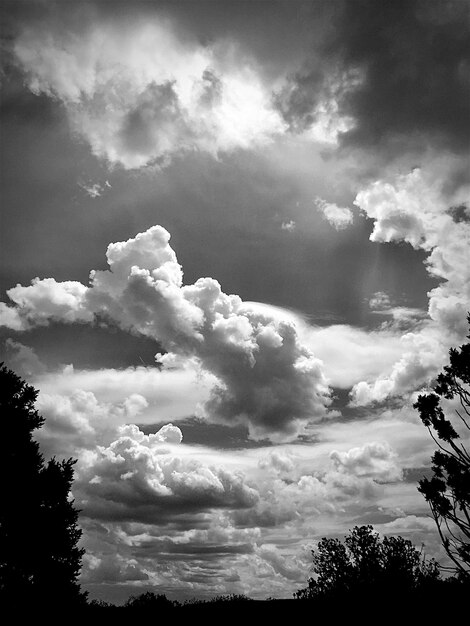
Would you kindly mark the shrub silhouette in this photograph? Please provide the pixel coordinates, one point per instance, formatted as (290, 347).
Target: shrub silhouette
(149, 601)
(365, 562)
(39, 557)
(448, 490)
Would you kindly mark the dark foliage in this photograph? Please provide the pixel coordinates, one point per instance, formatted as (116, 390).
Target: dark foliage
(448, 490)
(149, 601)
(39, 557)
(366, 563)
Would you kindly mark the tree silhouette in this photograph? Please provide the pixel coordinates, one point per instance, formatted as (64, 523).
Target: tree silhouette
(39, 557)
(364, 562)
(448, 490)
(149, 601)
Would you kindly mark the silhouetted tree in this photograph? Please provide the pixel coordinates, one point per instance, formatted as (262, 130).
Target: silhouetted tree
(149, 601)
(365, 562)
(39, 557)
(448, 490)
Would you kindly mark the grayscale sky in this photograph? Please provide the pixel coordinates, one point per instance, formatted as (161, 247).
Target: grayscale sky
(234, 247)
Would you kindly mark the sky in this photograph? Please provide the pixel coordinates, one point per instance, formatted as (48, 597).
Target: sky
(234, 249)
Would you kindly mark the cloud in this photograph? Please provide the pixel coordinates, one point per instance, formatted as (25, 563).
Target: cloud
(141, 477)
(323, 482)
(402, 317)
(409, 524)
(380, 301)
(10, 318)
(75, 421)
(265, 377)
(45, 300)
(337, 216)
(94, 190)
(23, 359)
(285, 566)
(397, 70)
(278, 461)
(139, 91)
(289, 226)
(111, 568)
(350, 354)
(376, 460)
(414, 210)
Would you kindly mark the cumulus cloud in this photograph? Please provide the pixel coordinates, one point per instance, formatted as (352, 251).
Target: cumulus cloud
(75, 421)
(139, 92)
(265, 376)
(349, 354)
(278, 461)
(324, 482)
(45, 300)
(338, 217)
(376, 460)
(141, 477)
(413, 210)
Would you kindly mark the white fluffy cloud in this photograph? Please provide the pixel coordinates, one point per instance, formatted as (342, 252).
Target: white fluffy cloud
(278, 461)
(76, 420)
(339, 217)
(423, 353)
(265, 376)
(376, 460)
(413, 210)
(45, 300)
(139, 92)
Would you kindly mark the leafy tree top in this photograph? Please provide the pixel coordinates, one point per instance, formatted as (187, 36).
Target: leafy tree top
(365, 561)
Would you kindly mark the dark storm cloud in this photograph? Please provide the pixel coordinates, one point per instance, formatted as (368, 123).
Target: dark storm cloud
(398, 68)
